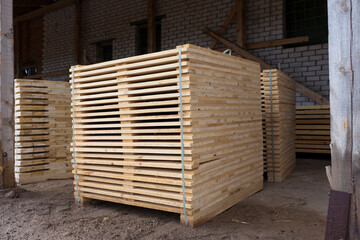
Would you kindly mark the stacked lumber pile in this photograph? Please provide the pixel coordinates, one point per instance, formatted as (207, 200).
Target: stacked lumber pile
(279, 124)
(42, 130)
(313, 129)
(128, 131)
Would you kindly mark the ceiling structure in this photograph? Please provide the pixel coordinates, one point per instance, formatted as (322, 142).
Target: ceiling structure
(22, 7)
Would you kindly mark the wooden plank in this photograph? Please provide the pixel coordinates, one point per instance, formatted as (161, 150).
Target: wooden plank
(43, 132)
(278, 123)
(310, 123)
(243, 53)
(127, 131)
(278, 42)
(7, 179)
(344, 66)
(42, 11)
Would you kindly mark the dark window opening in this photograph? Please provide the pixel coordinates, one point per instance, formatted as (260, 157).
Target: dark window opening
(142, 38)
(104, 51)
(307, 18)
(107, 53)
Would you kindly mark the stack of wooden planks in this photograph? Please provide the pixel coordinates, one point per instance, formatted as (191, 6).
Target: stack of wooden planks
(313, 129)
(279, 100)
(128, 131)
(42, 130)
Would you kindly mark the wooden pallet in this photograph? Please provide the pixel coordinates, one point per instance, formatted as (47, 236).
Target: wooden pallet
(42, 130)
(127, 131)
(280, 135)
(313, 129)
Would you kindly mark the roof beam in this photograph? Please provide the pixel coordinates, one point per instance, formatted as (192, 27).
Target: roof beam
(279, 42)
(243, 53)
(241, 23)
(78, 31)
(42, 11)
(226, 23)
(151, 26)
(33, 3)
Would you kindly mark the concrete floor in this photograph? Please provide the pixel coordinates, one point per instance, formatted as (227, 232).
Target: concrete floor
(294, 209)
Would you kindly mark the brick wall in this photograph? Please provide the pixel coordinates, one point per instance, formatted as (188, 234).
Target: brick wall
(184, 22)
(31, 37)
(307, 64)
(59, 41)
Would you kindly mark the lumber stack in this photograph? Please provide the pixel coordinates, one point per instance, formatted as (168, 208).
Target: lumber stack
(42, 130)
(128, 131)
(279, 124)
(313, 129)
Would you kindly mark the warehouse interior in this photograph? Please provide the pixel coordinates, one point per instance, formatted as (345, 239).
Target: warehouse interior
(57, 44)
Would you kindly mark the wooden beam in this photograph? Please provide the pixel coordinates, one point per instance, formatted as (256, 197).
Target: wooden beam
(241, 23)
(23, 10)
(307, 92)
(224, 26)
(44, 10)
(243, 53)
(50, 74)
(78, 31)
(151, 26)
(344, 67)
(7, 176)
(32, 3)
(279, 42)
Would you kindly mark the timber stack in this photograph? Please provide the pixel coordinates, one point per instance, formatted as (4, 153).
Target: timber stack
(313, 129)
(279, 107)
(42, 130)
(128, 144)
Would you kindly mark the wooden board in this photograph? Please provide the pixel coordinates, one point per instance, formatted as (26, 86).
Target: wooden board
(127, 131)
(313, 129)
(278, 106)
(42, 130)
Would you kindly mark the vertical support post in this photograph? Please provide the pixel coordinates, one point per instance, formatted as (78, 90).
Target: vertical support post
(241, 23)
(151, 26)
(7, 177)
(17, 49)
(78, 30)
(344, 66)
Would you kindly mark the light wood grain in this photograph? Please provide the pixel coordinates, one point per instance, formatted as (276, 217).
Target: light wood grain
(127, 131)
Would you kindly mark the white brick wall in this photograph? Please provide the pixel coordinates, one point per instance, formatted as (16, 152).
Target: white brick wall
(184, 22)
(307, 64)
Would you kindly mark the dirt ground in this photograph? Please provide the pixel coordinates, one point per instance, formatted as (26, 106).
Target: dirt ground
(294, 209)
